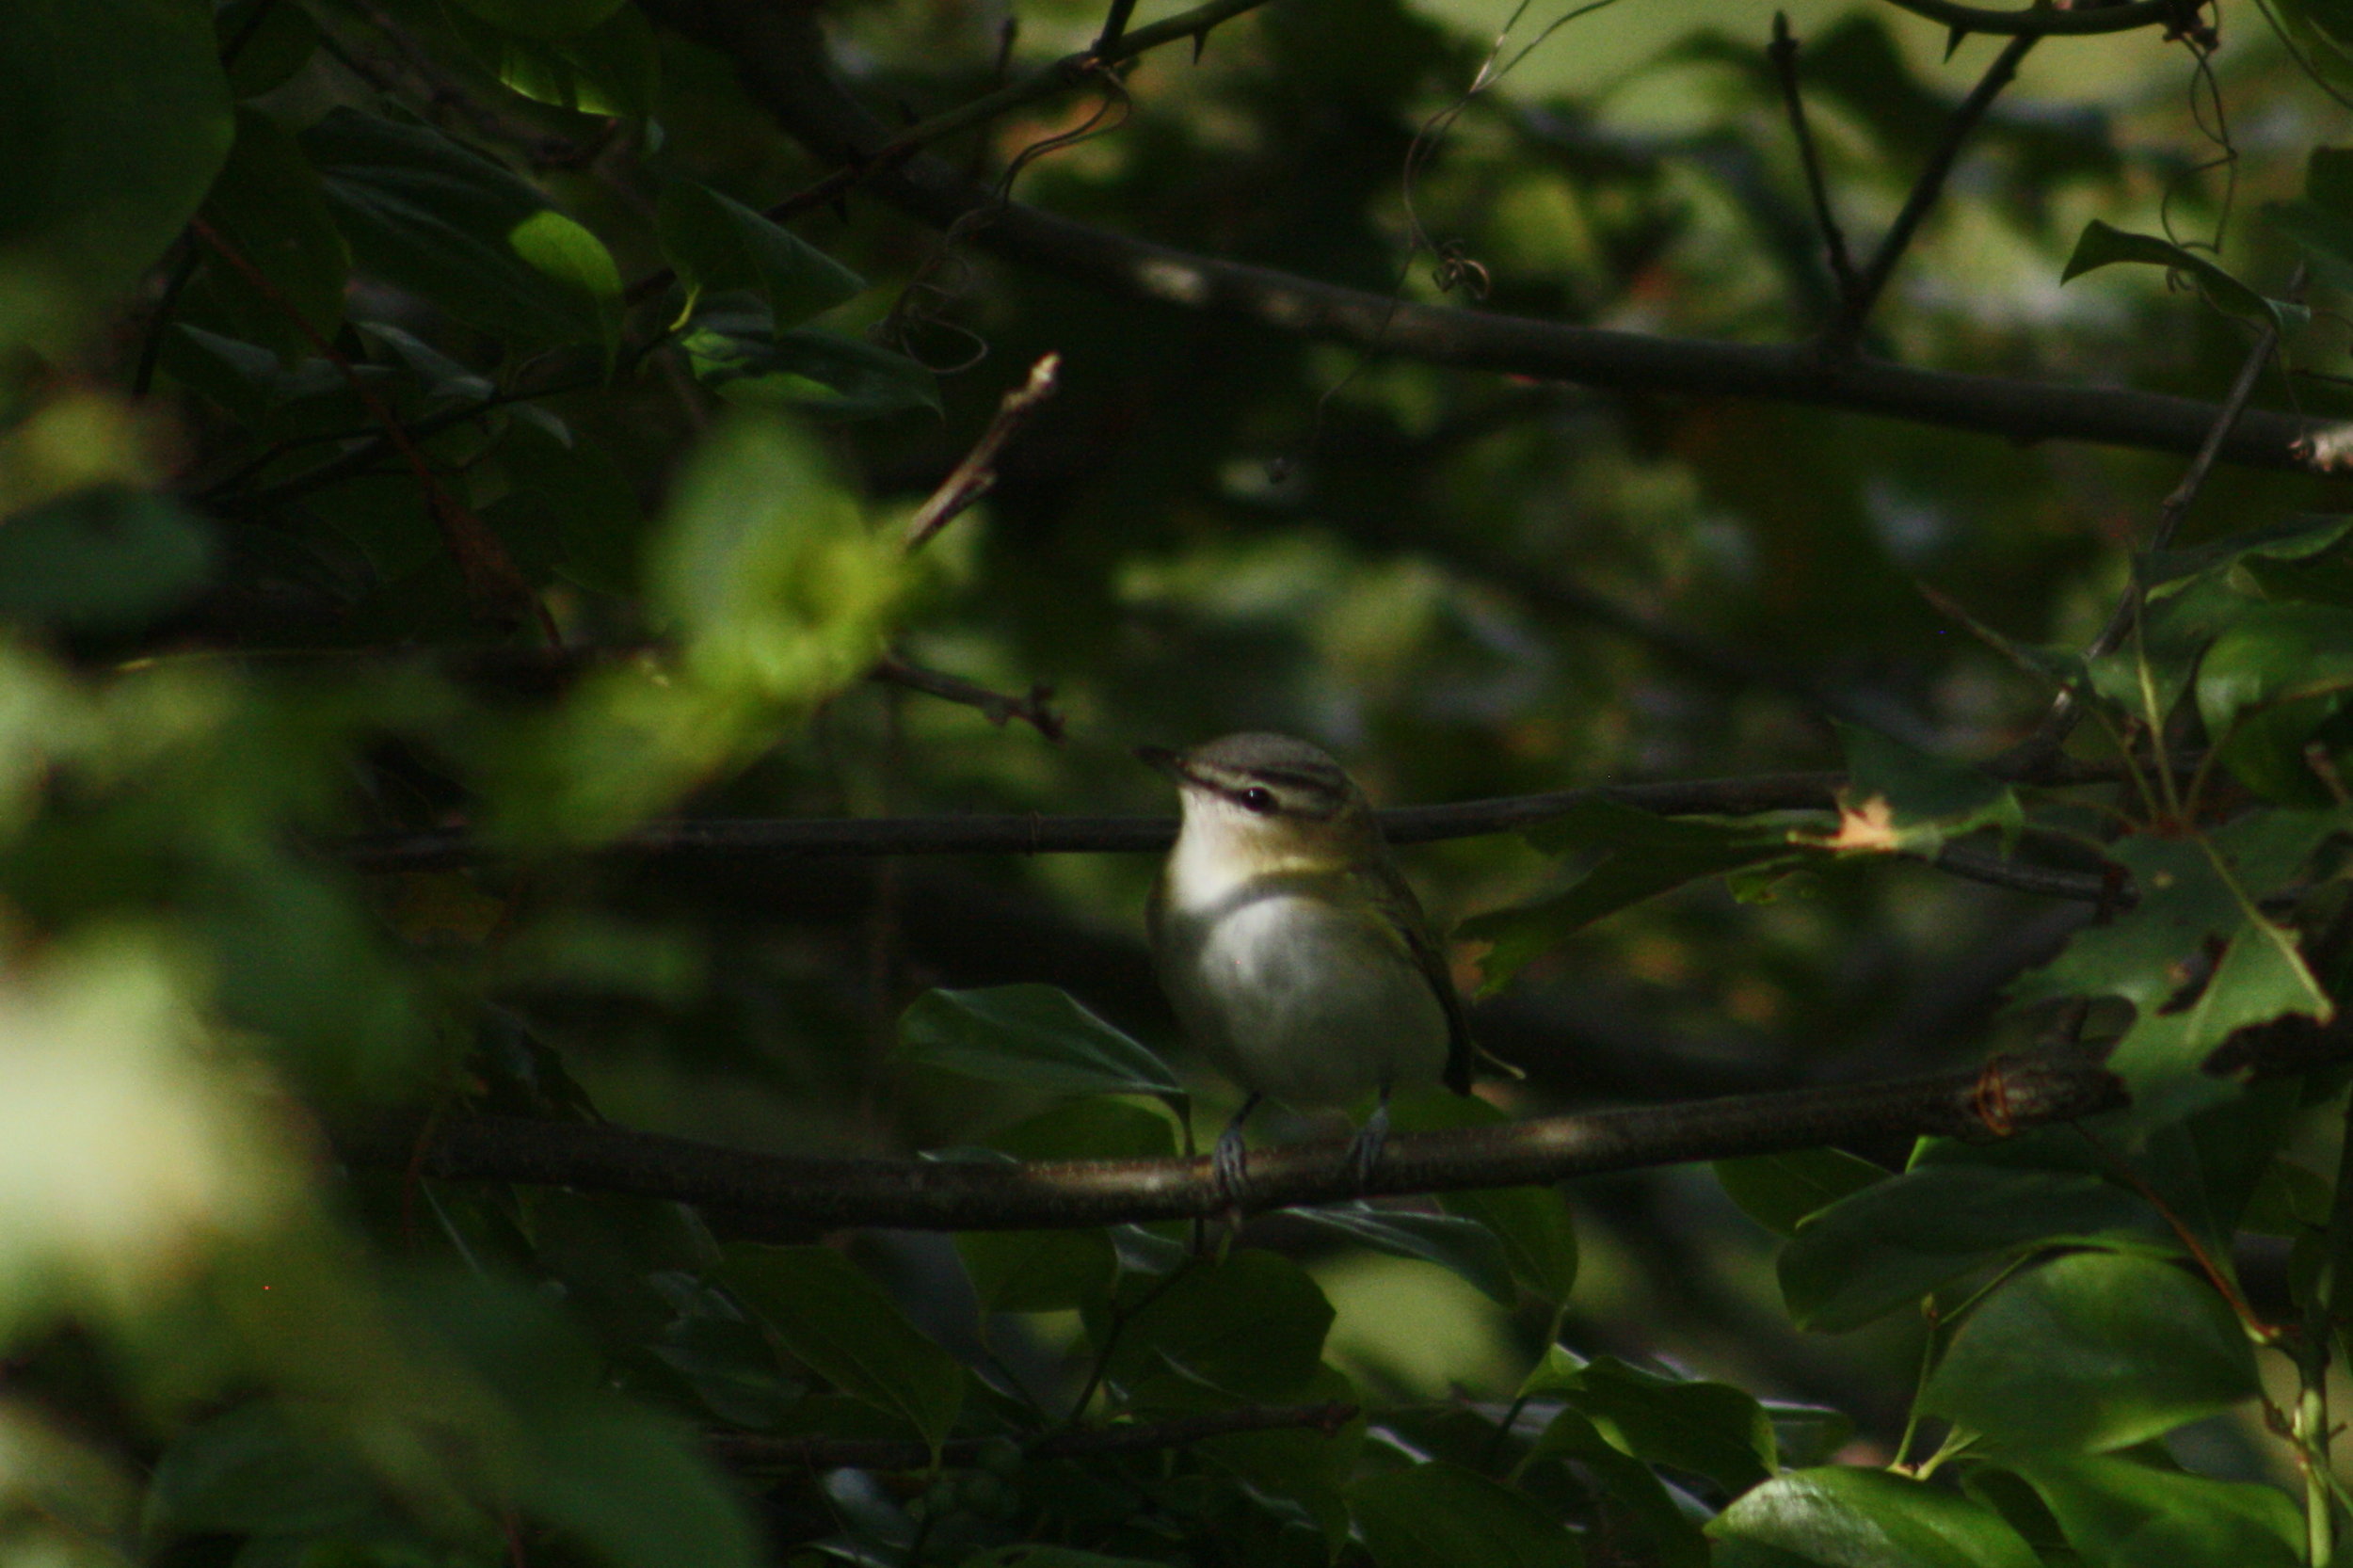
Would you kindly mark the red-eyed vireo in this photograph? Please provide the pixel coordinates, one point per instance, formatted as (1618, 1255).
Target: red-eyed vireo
(1296, 957)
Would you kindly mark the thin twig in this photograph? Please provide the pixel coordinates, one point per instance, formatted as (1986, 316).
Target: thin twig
(492, 579)
(1924, 191)
(944, 1194)
(750, 1449)
(1033, 708)
(1114, 26)
(1049, 82)
(976, 475)
(2066, 708)
(1783, 54)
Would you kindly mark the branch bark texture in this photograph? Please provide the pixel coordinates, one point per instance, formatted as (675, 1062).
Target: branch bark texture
(918, 1194)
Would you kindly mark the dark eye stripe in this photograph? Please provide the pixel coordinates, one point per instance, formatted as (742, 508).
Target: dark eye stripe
(1299, 779)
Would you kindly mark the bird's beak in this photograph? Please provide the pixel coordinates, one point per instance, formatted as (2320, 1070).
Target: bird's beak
(1161, 759)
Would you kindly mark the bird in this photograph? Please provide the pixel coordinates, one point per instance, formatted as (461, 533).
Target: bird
(1296, 957)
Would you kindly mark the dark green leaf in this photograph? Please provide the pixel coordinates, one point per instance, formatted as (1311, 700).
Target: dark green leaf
(269, 205)
(1641, 1505)
(736, 352)
(2090, 1352)
(1461, 1245)
(1709, 1429)
(425, 213)
(2121, 1514)
(836, 1322)
(2102, 245)
(613, 69)
(114, 117)
(1926, 799)
(1038, 1270)
(1033, 1035)
(1642, 855)
(717, 245)
(1251, 1325)
(272, 40)
(1441, 1516)
(2273, 654)
(1889, 1245)
(544, 19)
(1090, 1130)
(100, 560)
(1842, 1518)
(259, 1468)
(1778, 1190)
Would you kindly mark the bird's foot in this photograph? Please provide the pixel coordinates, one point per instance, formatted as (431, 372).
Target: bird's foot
(1364, 1154)
(1229, 1166)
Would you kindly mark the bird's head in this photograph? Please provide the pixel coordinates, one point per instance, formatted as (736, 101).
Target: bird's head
(1268, 802)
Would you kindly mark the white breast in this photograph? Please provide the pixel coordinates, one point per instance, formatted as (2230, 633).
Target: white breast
(1293, 997)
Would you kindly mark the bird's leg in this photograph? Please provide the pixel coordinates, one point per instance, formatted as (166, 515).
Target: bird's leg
(1363, 1154)
(1229, 1162)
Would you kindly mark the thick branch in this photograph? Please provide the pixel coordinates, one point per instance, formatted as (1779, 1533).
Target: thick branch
(751, 1449)
(780, 54)
(2050, 22)
(925, 1194)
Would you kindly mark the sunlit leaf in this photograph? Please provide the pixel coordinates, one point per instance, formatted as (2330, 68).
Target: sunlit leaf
(1837, 1517)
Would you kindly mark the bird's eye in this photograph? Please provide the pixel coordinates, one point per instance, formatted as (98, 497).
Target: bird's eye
(1256, 799)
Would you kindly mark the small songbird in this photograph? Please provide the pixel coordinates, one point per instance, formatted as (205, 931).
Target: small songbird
(1296, 957)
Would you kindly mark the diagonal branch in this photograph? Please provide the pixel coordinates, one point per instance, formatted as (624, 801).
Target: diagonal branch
(2008, 1094)
(1868, 285)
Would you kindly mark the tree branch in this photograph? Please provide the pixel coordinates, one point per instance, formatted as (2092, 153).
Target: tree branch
(1033, 708)
(1872, 281)
(2044, 21)
(781, 55)
(2008, 1094)
(749, 1449)
(1783, 52)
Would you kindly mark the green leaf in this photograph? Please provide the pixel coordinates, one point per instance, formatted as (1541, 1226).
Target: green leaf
(2093, 1351)
(273, 40)
(1642, 855)
(1441, 1516)
(2261, 977)
(1250, 1326)
(114, 118)
(1038, 1270)
(100, 560)
(426, 215)
(836, 1322)
(1537, 1233)
(767, 566)
(1925, 799)
(584, 501)
(2273, 654)
(544, 19)
(2117, 1513)
(613, 69)
(735, 350)
(2102, 245)
(259, 1468)
(1462, 1246)
(268, 203)
(1090, 1130)
(718, 245)
(1891, 1243)
(1709, 1429)
(1845, 1518)
(1778, 1190)
(632, 1485)
(1642, 1506)
(1033, 1035)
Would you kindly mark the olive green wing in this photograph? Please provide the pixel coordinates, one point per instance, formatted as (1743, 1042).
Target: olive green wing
(1388, 891)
